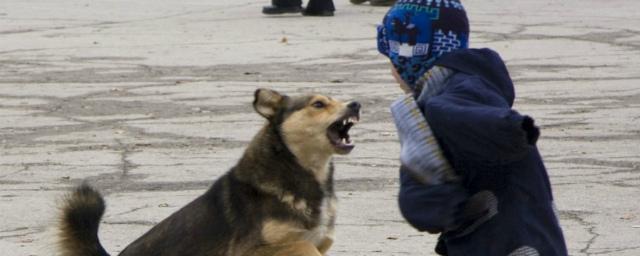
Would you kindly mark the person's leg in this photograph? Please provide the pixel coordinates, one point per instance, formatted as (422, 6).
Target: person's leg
(283, 6)
(358, 1)
(286, 3)
(319, 8)
(382, 2)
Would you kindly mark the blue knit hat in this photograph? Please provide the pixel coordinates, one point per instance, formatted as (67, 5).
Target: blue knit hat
(414, 33)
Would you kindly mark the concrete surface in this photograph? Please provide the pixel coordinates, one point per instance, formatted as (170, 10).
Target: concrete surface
(150, 101)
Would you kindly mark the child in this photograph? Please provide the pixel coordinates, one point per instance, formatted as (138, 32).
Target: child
(470, 168)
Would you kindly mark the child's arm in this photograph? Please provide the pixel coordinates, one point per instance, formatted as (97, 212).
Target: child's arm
(434, 208)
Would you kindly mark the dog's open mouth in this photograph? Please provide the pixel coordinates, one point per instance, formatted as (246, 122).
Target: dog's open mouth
(338, 132)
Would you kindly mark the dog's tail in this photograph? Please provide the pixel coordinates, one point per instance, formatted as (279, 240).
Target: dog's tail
(81, 214)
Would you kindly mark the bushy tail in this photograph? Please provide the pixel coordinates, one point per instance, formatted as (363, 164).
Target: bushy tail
(81, 214)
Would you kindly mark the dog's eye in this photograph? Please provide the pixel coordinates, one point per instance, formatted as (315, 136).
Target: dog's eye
(318, 104)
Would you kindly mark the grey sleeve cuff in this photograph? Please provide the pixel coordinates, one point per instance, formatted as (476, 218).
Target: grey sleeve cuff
(420, 151)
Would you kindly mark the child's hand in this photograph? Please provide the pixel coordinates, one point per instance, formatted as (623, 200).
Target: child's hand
(431, 208)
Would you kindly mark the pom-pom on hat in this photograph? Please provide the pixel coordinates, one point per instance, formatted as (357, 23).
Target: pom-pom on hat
(414, 33)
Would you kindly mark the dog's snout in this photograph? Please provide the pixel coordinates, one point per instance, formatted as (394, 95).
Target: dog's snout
(354, 105)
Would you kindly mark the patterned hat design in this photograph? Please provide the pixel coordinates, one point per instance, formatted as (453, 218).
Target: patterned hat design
(414, 33)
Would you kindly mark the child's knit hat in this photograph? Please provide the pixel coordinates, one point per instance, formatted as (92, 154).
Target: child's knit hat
(414, 33)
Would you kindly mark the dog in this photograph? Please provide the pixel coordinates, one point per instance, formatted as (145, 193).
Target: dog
(277, 200)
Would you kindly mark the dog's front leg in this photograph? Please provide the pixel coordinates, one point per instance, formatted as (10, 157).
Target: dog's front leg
(301, 248)
(325, 245)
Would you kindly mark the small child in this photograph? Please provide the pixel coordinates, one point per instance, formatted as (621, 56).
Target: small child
(470, 168)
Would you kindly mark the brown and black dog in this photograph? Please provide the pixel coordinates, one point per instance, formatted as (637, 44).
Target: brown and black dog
(277, 200)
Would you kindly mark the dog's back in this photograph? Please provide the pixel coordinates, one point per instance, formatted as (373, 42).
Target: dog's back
(206, 226)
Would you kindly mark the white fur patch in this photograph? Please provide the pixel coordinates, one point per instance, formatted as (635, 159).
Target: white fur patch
(325, 228)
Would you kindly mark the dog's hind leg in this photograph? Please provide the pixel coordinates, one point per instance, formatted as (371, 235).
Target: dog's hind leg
(300, 248)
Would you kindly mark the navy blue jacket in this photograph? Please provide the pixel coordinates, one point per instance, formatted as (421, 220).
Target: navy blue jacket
(492, 148)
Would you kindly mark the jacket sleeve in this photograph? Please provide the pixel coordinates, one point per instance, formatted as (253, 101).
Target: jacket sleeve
(478, 126)
(431, 208)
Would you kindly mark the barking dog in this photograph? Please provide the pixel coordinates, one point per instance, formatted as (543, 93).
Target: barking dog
(277, 200)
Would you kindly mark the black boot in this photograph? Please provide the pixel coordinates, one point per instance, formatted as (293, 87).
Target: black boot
(325, 13)
(283, 6)
(319, 8)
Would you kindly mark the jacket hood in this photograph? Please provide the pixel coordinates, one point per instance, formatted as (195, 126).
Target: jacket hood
(484, 63)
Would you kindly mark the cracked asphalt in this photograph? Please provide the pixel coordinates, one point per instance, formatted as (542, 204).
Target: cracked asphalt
(150, 101)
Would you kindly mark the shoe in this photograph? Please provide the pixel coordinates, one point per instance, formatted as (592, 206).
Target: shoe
(358, 1)
(273, 9)
(325, 13)
(382, 2)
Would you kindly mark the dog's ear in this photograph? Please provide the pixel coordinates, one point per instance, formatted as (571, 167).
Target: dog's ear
(267, 102)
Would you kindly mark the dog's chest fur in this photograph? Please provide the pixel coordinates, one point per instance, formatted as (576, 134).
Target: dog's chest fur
(326, 223)
(327, 209)
(315, 215)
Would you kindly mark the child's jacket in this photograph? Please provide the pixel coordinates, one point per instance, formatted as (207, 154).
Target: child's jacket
(492, 148)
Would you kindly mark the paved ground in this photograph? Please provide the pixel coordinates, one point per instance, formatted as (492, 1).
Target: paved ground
(150, 101)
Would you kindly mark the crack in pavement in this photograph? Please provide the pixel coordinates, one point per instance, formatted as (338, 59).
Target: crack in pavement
(25, 167)
(27, 231)
(610, 251)
(589, 227)
(608, 38)
(126, 165)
